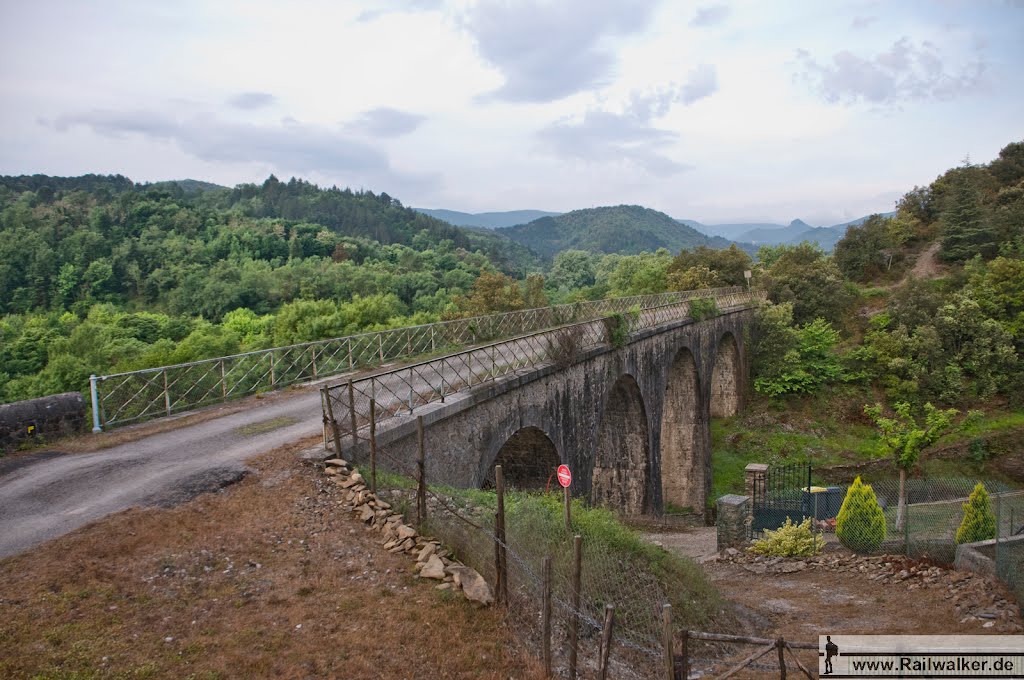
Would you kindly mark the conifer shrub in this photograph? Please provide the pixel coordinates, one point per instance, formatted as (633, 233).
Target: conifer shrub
(860, 524)
(979, 523)
(789, 540)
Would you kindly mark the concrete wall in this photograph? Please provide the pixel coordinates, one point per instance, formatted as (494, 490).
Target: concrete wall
(49, 417)
(588, 408)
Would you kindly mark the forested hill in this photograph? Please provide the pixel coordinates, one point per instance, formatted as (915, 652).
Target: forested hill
(625, 229)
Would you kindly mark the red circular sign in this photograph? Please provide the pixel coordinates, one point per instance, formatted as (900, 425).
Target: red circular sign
(564, 476)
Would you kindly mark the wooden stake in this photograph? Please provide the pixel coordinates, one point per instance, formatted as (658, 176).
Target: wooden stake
(373, 446)
(574, 621)
(606, 640)
(568, 509)
(421, 481)
(686, 655)
(666, 635)
(799, 665)
(546, 617)
(781, 645)
(334, 423)
(749, 660)
(499, 532)
(352, 416)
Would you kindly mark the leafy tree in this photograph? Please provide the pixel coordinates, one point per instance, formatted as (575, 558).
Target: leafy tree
(979, 524)
(867, 250)
(573, 269)
(492, 292)
(804, 276)
(860, 524)
(727, 266)
(793, 360)
(904, 438)
(533, 292)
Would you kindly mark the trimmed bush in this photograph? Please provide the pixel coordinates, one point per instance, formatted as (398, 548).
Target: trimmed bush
(789, 540)
(979, 523)
(860, 524)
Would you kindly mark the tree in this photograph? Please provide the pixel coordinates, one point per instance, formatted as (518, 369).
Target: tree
(533, 292)
(805, 276)
(966, 231)
(866, 250)
(860, 524)
(979, 524)
(573, 269)
(726, 265)
(904, 438)
(492, 292)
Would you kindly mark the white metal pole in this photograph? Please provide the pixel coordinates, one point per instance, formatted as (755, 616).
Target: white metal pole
(95, 405)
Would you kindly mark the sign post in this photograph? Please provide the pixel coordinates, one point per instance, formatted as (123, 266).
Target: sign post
(565, 479)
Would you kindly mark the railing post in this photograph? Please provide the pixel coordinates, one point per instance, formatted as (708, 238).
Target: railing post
(313, 361)
(223, 381)
(273, 377)
(350, 364)
(373, 446)
(96, 427)
(167, 395)
(380, 347)
(433, 346)
(410, 390)
(606, 640)
(501, 584)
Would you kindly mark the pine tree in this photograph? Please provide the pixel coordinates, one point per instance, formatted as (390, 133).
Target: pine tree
(860, 524)
(965, 228)
(979, 524)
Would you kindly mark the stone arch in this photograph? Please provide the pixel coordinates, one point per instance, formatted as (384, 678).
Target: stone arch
(684, 474)
(528, 459)
(622, 461)
(725, 378)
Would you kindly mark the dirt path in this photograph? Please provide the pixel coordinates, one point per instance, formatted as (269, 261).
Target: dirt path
(266, 579)
(927, 265)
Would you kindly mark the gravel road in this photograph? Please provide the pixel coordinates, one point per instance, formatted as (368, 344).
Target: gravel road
(46, 495)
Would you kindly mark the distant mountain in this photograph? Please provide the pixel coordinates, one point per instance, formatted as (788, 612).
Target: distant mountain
(487, 220)
(734, 232)
(626, 229)
(777, 234)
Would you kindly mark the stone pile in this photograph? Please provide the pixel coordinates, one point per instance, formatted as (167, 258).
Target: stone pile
(973, 596)
(432, 559)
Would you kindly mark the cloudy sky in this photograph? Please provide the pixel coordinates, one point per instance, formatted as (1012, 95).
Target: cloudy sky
(726, 111)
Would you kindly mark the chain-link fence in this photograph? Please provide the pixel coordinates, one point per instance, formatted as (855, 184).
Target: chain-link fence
(559, 586)
(133, 396)
(929, 526)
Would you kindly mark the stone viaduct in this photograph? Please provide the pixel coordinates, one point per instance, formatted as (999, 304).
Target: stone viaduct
(632, 423)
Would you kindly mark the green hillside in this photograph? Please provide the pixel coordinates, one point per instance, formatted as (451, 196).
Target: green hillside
(624, 229)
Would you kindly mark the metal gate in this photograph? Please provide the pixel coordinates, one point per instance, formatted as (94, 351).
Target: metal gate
(784, 491)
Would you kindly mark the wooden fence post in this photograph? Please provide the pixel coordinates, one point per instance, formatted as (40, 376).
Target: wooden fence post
(574, 621)
(606, 640)
(326, 391)
(373, 446)
(781, 645)
(352, 416)
(499, 533)
(685, 655)
(421, 482)
(666, 622)
(546, 617)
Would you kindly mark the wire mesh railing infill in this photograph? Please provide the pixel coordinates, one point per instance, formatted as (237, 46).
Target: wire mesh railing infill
(134, 396)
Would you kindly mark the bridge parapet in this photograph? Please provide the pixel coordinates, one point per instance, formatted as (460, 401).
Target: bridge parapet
(347, 406)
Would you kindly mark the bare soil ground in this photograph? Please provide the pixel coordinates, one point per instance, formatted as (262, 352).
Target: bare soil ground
(803, 604)
(265, 578)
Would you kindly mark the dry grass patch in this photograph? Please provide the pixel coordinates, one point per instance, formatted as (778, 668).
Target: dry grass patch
(266, 578)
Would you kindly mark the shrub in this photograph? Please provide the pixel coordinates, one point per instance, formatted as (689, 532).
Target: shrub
(860, 524)
(565, 346)
(703, 308)
(790, 540)
(617, 328)
(979, 524)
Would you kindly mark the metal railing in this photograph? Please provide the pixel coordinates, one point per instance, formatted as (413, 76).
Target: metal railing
(133, 396)
(346, 407)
